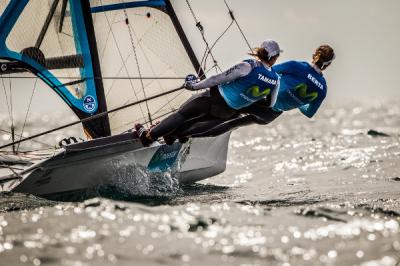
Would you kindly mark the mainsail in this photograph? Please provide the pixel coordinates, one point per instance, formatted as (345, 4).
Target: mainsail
(141, 40)
(100, 54)
(127, 57)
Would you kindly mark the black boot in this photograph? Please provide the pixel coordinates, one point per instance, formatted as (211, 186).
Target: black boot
(183, 139)
(142, 133)
(169, 139)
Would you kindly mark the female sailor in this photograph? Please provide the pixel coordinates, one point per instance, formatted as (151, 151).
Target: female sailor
(302, 85)
(231, 91)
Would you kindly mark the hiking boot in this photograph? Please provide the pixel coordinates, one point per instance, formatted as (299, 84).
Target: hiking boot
(183, 139)
(169, 139)
(142, 133)
(135, 135)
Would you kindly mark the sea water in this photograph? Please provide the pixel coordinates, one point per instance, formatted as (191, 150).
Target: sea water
(324, 191)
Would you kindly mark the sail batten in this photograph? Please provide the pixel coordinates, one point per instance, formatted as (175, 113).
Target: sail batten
(101, 54)
(50, 38)
(141, 41)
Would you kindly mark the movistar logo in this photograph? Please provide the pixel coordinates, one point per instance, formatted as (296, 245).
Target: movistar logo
(255, 91)
(301, 89)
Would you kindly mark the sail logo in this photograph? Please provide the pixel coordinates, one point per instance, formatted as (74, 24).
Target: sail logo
(301, 89)
(89, 103)
(255, 91)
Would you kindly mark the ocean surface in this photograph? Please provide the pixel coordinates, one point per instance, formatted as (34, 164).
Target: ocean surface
(324, 191)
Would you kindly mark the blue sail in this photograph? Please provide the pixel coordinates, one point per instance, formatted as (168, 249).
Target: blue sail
(139, 46)
(79, 86)
(8, 20)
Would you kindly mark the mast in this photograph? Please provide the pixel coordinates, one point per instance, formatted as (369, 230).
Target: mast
(100, 126)
(84, 93)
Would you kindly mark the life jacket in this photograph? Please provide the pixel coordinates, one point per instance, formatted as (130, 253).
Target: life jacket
(244, 91)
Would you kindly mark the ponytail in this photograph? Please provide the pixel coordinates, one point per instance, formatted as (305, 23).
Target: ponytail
(262, 55)
(323, 56)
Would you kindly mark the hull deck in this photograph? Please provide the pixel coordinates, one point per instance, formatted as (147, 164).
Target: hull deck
(108, 161)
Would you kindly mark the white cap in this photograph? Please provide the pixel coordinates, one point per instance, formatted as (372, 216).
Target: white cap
(272, 47)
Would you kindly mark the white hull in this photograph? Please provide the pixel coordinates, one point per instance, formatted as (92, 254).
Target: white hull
(93, 167)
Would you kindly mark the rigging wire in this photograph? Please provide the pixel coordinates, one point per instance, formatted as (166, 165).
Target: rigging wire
(238, 26)
(137, 120)
(154, 118)
(37, 141)
(27, 113)
(122, 59)
(102, 54)
(221, 35)
(139, 44)
(96, 116)
(6, 97)
(207, 51)
(77, 78)
(201, 29)
(11, 106)
(118, 73)
(137, 63)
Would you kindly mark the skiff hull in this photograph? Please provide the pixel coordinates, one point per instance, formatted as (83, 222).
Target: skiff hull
(101, 163)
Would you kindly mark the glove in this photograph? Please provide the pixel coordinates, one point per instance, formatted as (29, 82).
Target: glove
(190, 81)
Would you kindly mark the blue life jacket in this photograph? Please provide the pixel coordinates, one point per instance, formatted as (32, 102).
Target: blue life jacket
(301, 86)
(244, 91)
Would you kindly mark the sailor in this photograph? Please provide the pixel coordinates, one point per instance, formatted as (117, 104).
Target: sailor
(239, 87)
(302, 85)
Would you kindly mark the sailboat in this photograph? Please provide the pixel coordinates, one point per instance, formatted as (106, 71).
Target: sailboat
(99, 55)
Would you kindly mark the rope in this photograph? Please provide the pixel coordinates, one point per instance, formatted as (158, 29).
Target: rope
(27, 112)
(147, 59)
(79, 78)
(6, 97)
(147, 121)
(109, 78)
(155, 118)
(91, 118)
(137, 63)
(108, 36)
(238, 26)
(11, 107)
(201, 29)
(123, 61)
(118, 73)
(10, 167)
(131, 122)
(8, 132)
(207, 51)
